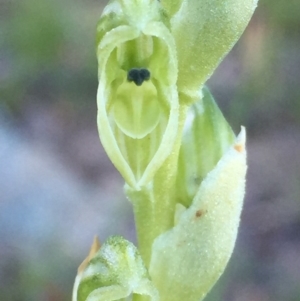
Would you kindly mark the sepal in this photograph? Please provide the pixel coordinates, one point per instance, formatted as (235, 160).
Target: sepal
(188, 259)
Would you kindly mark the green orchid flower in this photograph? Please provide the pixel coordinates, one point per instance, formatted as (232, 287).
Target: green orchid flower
(137, 96)
(183, 166)
(154, 56)
(113, 272)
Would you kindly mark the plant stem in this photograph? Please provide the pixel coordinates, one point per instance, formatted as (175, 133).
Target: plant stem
(154, 205)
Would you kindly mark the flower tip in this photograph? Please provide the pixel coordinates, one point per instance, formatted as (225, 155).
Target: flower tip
(93, 250)
(240, 141)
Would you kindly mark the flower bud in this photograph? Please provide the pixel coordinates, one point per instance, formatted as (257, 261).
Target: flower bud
(206, 137)
(205, 31)
(115, 272)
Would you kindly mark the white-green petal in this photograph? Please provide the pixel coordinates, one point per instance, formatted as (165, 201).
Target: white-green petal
(111, 40)
(188, 259)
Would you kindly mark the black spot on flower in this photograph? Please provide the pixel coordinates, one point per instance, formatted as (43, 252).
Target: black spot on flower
(138, 75)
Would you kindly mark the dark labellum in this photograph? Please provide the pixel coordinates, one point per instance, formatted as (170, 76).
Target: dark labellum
(138, 75)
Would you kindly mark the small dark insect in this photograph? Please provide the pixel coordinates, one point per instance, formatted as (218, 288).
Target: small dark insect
(138, 75)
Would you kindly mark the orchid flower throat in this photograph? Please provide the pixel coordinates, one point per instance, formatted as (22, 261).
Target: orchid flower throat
(136, 97)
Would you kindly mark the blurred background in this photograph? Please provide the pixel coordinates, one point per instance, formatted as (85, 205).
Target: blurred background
(58, 189)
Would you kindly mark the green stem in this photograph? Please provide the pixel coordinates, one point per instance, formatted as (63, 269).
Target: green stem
(154, 205)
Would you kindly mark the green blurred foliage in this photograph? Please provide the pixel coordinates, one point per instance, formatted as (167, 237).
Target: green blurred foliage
(268, 92)
(48, 50)
(37, 33)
